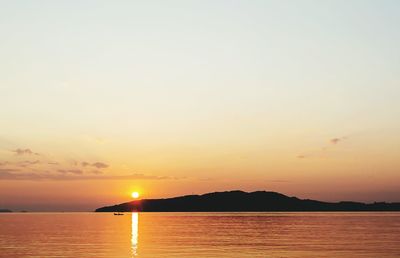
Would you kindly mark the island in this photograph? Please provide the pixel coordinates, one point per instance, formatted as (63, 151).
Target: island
(5, 210)
(239, 201)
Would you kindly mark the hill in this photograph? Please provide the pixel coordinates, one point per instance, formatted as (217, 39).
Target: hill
(243, 201)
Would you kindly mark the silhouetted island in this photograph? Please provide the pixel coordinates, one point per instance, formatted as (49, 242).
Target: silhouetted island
(5, 210)
(243, 201)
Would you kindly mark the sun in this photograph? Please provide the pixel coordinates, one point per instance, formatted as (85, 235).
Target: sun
(135, 195)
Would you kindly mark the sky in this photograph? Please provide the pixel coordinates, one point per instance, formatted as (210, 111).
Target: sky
(102, 98)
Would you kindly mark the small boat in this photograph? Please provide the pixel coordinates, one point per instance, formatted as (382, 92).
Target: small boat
(118, 213)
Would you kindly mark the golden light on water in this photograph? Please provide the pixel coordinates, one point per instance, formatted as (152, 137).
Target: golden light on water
(135, 195)
(134, 239)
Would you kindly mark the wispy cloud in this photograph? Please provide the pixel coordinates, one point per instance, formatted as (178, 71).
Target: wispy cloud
(70, 171)
(99, 165)
(337, 140)
(322, 150)
(27, 163)
(21, 152)
(8, 170)
(4, 163)
(9, 174)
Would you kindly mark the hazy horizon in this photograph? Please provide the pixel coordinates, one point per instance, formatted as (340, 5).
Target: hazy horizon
(99, 99)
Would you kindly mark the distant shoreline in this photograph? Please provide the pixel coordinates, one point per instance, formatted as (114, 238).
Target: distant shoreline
(239, 201)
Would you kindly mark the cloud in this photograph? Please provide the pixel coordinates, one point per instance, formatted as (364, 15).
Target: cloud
(71, 171)
(21, 152)
(4, 163)
(24, 163)
(27, 163)
(337, 140)
(8, 175)
(5, 170)
(33, 176)
(99, 165)
(321, 151)
(53, 163)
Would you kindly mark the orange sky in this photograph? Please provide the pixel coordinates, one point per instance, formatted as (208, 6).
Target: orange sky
(193, 97)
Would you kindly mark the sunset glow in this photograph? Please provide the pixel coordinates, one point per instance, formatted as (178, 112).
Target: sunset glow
(204, 96)
(135, 195)
(262, 128)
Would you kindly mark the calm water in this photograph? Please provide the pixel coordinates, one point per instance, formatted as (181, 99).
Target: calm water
(200, 235)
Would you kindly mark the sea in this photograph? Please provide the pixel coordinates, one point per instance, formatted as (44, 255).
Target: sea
(203, 234)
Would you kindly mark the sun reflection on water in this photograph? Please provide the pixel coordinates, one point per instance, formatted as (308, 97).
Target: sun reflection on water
(134, 240)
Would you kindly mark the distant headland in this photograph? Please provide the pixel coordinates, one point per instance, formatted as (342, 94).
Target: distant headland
(5, 210)
(243, 201)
